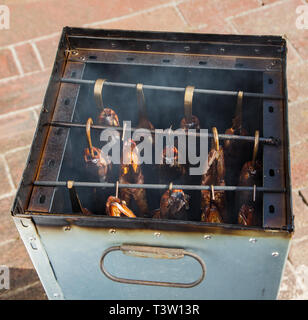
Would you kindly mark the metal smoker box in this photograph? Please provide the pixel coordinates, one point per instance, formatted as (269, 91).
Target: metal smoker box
(87, 257)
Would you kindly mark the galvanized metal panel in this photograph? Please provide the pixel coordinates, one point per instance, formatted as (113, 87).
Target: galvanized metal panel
(238, 267)
(39, 257)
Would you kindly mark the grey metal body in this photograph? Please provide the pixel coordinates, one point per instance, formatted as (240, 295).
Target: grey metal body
(245, 265)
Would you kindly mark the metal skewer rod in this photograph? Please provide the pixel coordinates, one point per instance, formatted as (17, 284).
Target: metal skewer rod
(155, 186)
(175, 89)
(270, 141)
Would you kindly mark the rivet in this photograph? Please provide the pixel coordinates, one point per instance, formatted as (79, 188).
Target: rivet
(75, 53)
(112, 231)
(275, 254)
(207, 237)
(31, 239)
(67, 228)
(56, 295)
(252, 240)
(157, 234)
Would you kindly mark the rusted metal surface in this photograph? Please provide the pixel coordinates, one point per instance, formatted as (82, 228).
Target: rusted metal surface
(203, 61)
(274, 166)
(51, 161)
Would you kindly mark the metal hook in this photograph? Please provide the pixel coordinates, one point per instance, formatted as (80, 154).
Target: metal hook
(141, 101)
(255, 148)
(237, 122)
(254, 193)
(213, 192)
(188, 98)
(170, 186)
(117, 189)
(88, 131)
(98, 93)
(124, 129)
(216, 139)
(75, 201)
(168, 138)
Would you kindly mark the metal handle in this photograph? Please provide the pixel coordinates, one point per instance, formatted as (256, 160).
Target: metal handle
(156, 253)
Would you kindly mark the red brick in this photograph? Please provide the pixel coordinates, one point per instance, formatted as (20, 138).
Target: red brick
(212, 12)
(293, 56)
(222, 28)
(300, 211)
(299, 165)
(277, 20)
(31, 19)
(288, 288)
(5, 186)
(299, 253)
(298, 122)
(20, 278)
(23, 92)
(16, 130)
(27, 58)
(304, 195)
(7, 63)
(8, 229)
(16, 162)
(168, 20)
(34, 292)
(266, 2)
(298, 82)
(14, 255)
(48, 49)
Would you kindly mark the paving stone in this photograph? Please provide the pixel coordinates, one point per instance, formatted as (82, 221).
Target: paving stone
(300, 211)
(298, 256)
(298, 82)
(266, 2)
(35, 292)
(48, 48)
(213, 12)
(289, 288)
(31, 19)
(17, 130)
(8, 229)
(5, 186)
(223, 28)
(277, 20)
(7, 63)
(19, 278)
(168, 19)
(23, 92)
(14, 255)
(27, 58)
(16, 162)
(299, 165)
(298, 122)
